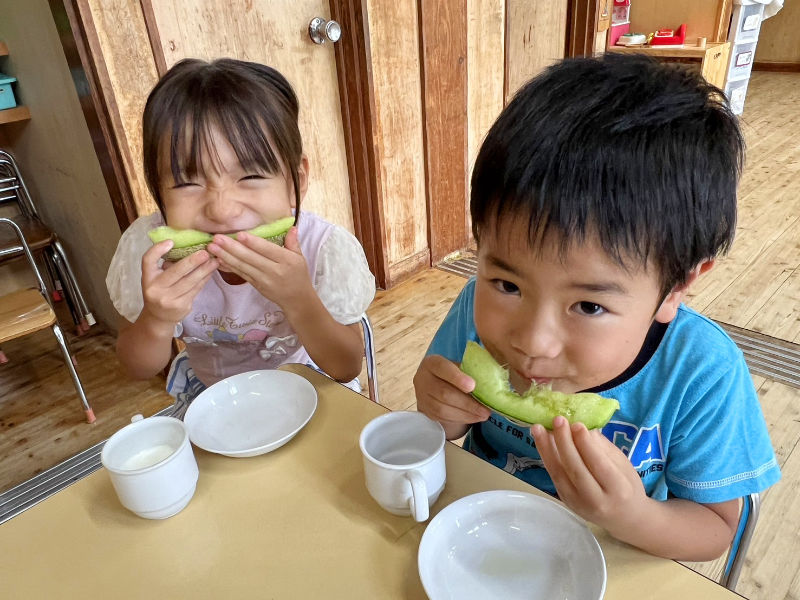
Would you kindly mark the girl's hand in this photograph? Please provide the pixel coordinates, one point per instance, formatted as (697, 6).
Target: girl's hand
(592, 476)
(278, 273)
(170, 289)
(443, 394)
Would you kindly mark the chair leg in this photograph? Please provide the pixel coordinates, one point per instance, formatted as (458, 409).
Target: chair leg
(74, 282)
(369, 353)
(53, 264)
(86, 319)
(62, 342)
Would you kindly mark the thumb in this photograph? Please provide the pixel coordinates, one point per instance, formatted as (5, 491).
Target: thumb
(291, 242)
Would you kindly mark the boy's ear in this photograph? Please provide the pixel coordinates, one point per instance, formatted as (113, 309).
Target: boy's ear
(302, 178)
(669, 307)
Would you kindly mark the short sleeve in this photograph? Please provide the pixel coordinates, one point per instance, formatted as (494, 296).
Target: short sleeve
(343, 280)
(124, 278)
(457, 328)
(726, 451)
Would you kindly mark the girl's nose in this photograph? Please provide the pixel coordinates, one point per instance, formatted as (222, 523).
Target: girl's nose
(537, 335)
(221, 206)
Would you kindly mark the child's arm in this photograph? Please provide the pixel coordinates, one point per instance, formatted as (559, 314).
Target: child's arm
(443, 394)
(144, 347)
(596, 480)
(281, 274)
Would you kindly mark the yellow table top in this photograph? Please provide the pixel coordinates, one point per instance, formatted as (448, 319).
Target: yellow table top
(297, 522)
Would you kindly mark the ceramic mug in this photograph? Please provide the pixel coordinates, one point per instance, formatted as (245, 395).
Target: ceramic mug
(404, 464)
(152, 466)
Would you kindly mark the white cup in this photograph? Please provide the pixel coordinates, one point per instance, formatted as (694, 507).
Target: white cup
(404, 464)
(152, 466)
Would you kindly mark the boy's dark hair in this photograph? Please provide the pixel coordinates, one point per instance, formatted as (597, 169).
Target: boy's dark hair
(644, 155)
(252, 104)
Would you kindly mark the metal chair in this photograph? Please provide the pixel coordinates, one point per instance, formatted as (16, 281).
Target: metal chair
(26, 311)
(42, 240)
(369, 354)
(748, 516)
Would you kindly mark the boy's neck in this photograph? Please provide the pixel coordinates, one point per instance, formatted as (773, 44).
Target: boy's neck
(651, 342)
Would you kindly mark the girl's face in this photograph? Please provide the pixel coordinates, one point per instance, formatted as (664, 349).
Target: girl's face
(224, 197)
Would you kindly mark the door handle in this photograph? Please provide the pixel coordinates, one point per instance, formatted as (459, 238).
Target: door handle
(320, 30)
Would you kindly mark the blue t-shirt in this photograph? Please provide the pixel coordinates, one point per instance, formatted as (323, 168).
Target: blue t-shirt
(689, 420)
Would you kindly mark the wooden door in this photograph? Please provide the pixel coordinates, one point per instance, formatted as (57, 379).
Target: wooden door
(273, 33)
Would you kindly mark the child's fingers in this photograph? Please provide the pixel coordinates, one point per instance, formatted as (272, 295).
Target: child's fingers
(450, 373)
(153, 255)
(572, 460)
(548, 452)
(595, 457)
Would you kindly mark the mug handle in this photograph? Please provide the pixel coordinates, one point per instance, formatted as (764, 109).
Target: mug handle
(418, 501)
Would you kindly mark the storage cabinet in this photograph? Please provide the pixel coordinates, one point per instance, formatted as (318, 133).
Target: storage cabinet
(15, 113)
(743, 36)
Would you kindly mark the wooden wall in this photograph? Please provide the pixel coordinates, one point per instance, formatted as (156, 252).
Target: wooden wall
(395, 62)
(535, 38)
(55, 153)
(779, 39)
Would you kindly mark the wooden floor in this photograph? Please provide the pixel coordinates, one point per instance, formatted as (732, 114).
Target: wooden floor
(756, 287)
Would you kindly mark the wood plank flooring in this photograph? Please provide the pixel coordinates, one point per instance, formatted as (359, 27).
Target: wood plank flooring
(756, 287)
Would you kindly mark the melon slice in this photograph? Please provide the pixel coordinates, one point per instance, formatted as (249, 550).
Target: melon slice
(539, 404)
(189, 241)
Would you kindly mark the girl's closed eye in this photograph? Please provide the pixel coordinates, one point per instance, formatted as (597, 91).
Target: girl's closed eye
(505, 287)
(252, 177)
(589, 309)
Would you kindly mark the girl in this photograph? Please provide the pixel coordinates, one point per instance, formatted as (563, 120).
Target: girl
(223, 154)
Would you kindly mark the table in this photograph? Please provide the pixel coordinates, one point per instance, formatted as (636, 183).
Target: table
(713, 58)
(294, 523)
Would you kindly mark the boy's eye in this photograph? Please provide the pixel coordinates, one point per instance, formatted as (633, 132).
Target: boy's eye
(254, 176)
(589, 308)
(506, 287)
(183, 184)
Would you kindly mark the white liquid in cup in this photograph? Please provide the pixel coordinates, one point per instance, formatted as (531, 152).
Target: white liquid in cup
(147, 457)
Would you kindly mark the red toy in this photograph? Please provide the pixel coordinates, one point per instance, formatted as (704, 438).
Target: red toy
(668, 37)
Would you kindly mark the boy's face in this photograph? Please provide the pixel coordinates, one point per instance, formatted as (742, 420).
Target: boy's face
(224, 197)
(575, 321)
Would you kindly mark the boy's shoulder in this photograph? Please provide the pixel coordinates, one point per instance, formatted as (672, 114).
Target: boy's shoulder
(696, 333)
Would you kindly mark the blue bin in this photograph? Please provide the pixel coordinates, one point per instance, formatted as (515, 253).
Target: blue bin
(7, 99)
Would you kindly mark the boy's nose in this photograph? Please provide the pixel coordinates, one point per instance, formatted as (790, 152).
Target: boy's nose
(536, 337)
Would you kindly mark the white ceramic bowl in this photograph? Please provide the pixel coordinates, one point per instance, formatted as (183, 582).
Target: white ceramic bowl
(506, 544)
(251, 413)
(151, 466)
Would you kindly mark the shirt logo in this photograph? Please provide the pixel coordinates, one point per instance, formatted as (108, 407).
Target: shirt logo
(642, 446)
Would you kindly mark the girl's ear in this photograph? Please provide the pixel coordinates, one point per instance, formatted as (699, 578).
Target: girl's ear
(302, 178)
(669, 307)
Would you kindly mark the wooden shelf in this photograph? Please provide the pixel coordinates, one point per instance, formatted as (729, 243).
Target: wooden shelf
(713, 58)
(3, 49)
(18, 113)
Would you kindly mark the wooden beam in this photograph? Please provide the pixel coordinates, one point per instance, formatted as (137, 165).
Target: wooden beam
(443, 48)
(357, 101)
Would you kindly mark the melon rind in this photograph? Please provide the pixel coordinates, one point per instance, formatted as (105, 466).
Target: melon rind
(189, 241)
(539, 404)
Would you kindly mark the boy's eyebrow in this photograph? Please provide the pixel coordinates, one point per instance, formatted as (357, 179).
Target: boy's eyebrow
(602, 287)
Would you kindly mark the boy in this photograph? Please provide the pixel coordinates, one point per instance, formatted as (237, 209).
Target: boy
(604, 189)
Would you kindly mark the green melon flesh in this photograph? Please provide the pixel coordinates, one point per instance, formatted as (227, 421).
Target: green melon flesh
(539, 405)
(188, 241)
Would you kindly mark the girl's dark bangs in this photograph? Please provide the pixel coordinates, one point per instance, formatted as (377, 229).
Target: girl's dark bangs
(191, 139)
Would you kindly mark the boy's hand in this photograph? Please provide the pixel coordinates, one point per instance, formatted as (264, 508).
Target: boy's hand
(592, 476)
(443, 393)
(278, 273)
(169, 290)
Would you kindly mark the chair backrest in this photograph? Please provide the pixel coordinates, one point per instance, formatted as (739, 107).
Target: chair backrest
(28, 254)
(369, 354)
(12, 186)
(751, 505)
